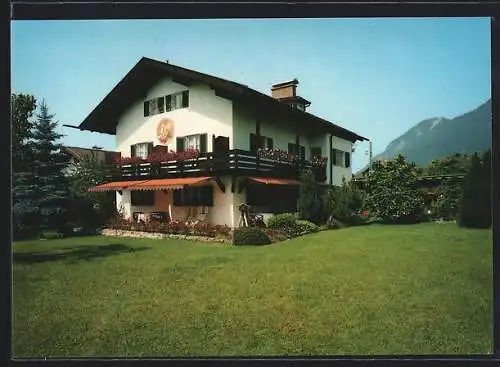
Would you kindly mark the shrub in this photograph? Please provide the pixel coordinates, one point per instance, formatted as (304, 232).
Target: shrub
(392, 192)
(344, 203)
(282, 220)
(304, 226)
(276, 235)
(250, 236)
(310, 198)
(50, 235)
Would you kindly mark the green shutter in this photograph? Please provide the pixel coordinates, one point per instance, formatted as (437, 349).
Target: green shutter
(291, 148)
(254, 143)
(334, 157)
(160, 102)
(302, 150)
(180, 144)
(146, 108)
(270, 143)
(203, 143)
(185, 98)
(168, 103)
(150, 148)
(132, 150)
(347, 159)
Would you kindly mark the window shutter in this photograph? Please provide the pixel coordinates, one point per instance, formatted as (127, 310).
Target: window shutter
(185, 98)
(303, 153)
(180, 144)
(168, 103)
(161, 104)
(291, 148)
(254, 143)
(146, 108)
(203, 143)
(177, 197)
(132, 151)
(334, 157)
(347, 159)
(270, 143)
(150, 148)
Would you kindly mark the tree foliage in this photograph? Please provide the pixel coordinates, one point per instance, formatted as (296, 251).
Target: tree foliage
(89, 172)
(475, 206)
(453, 164)
(448, 197)
(393, 195)
(22, 109)
(345, 202)
(310, 198)
(24, 185)
(49, 164)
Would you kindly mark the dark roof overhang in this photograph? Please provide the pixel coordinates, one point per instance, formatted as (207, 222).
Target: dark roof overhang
(136, 83)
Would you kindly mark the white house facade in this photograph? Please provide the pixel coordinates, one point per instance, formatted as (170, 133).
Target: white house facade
(200, 146)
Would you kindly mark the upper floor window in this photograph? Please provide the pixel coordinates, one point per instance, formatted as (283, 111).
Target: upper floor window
(341, 158)
(166, 103)
(315, 152)
(141, 150)
(198, 142)
(259, 141)
(297, 150)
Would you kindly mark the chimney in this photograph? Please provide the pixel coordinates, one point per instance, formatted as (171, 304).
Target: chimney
(285, 89)
(286, 92)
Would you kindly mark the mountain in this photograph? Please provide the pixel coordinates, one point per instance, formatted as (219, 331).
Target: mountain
(439, 137)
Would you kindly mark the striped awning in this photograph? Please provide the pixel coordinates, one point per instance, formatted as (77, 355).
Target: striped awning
(169, 183)
(151, 185)
(115, 186)
(274, 181)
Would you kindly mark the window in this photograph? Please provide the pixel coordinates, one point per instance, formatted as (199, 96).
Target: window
(141, 150)
(316, 152)
(259, 141)
(192, 142)
(166, 103)
(339, 158)
(142, 198)
(198, 141)
(298, 150)
(194, 196)
(177, 100)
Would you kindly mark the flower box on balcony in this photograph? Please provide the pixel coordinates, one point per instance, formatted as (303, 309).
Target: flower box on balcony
(159, 157)
(276, 154)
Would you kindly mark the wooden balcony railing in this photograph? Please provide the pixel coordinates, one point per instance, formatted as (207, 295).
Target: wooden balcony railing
(238, 162)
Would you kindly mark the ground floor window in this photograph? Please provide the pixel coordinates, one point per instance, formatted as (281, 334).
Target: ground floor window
(272, 198)
(194, 196)
(142, 198)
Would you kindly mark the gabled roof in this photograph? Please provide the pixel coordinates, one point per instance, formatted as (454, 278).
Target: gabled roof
(136, 83)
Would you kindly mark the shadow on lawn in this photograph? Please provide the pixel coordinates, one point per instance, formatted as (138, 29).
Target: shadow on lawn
(74, 254)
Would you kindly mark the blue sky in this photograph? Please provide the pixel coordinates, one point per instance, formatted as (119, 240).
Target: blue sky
(376, 77)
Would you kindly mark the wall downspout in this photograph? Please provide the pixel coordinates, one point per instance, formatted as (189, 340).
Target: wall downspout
(331, 160)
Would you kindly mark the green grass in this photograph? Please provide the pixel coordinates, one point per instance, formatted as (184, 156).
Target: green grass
(421, 289)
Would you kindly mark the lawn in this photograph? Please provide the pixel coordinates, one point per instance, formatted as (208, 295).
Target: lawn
(416, 289)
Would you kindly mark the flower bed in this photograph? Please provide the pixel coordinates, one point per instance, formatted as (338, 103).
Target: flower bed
(173, 228)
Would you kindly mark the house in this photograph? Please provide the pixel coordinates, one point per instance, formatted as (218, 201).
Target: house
(195, 145)
(78, 154)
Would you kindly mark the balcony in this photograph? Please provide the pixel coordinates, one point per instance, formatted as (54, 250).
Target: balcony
(234, 162)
